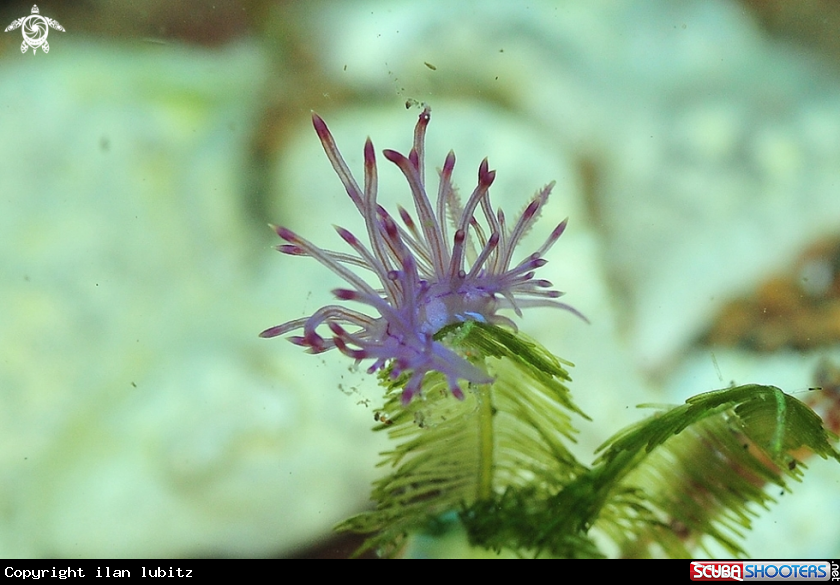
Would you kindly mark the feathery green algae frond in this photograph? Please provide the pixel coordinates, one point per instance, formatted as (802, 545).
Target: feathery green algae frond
(504, 440)
(700, 469)
(499, 459)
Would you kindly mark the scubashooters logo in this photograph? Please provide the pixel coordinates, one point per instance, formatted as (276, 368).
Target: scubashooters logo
(761, 571)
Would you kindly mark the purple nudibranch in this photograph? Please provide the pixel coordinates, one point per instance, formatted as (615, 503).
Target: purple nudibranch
(425, 281)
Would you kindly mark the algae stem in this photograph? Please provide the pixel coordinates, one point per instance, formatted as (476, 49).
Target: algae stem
(485, 443)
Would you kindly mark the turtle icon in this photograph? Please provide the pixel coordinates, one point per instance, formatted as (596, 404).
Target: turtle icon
(35, 29)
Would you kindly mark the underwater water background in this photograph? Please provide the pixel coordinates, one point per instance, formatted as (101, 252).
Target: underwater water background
(695, 145)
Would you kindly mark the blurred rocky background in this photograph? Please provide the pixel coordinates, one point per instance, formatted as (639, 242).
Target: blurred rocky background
(696, 149)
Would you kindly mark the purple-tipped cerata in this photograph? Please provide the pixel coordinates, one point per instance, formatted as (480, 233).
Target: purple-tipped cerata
(425, 280)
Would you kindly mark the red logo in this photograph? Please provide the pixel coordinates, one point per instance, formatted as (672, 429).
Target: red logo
(717, 571)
